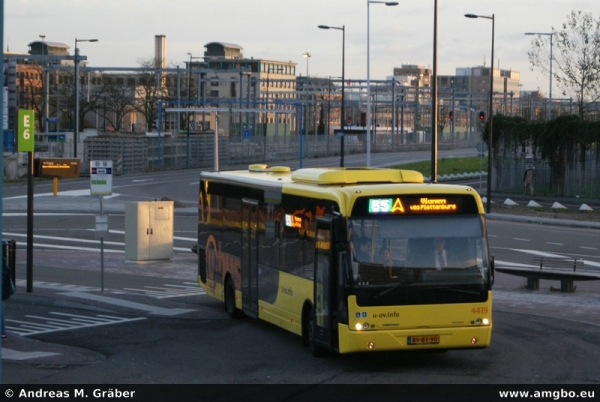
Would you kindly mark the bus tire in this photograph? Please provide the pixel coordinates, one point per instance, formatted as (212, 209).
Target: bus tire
(306, 311)
(316, 350)
(230, 307)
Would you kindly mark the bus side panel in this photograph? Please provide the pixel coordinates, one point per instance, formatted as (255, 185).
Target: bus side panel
(217, 264)
(439, 326)
(286, 310)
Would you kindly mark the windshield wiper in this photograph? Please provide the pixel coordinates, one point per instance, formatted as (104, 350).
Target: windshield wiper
(467, 292)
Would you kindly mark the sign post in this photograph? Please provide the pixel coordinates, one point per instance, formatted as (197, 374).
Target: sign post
(101, 184)
(25, 143)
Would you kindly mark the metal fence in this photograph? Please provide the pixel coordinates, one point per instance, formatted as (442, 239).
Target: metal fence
(135, 154)
(579, 181)
(138, 154)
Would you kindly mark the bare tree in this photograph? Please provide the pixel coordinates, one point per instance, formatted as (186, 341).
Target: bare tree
(117, 102)
(31, 94)
(149, 91)
(575, 58)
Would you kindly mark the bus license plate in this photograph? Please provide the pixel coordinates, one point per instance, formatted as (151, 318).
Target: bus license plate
(423, 340)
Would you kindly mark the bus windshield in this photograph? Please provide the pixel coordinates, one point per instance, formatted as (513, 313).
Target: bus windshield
(419, 259)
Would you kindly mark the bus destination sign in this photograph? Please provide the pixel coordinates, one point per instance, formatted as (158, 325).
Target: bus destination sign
(415, 204)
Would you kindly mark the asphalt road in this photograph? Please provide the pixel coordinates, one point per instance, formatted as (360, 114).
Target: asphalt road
(152, 324)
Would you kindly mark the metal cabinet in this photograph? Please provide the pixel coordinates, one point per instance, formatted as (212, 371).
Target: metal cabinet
(149, 230)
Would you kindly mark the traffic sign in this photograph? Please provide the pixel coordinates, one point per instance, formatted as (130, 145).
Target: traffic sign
(482, 147)
(101, 226)
(246, 133)
(101, 177)
(25, 140)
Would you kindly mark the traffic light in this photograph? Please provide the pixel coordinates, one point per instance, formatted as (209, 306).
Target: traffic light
(482, 116)
(451, 115)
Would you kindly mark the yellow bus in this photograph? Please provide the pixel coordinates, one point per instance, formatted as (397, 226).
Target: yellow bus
(301, 249)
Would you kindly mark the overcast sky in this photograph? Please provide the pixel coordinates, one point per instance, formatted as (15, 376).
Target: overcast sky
(285, 30)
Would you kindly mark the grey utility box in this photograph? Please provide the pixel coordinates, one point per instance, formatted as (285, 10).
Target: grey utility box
(149, 230)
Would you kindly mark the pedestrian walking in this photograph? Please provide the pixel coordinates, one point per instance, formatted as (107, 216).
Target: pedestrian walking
(528, 179)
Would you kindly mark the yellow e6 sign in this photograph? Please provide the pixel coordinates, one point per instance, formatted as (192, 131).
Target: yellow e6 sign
(25, 127)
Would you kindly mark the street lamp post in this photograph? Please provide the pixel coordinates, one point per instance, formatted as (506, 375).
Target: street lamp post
(306, 55)
(266, 114)
(189, 101)
(76, 94)
(490, 137)
(342, 119)
(387, 3)
(307, 95)
(550, 34)
(434, 103)
(45, 104)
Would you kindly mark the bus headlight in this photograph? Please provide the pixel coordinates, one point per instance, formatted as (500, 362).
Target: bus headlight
(360, 326)
(481, 321)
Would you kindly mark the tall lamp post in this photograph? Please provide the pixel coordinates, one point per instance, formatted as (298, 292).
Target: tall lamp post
(490, 137)
(266, 114)
(307, 96)
(76, 94)
(342, 118)
(434, 103)
(550, 34)
(45, 101)
(387, 3)
(306, 55)
(189, 101)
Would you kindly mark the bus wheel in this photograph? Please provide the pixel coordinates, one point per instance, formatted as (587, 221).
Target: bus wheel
(230, 300)
(316, 350)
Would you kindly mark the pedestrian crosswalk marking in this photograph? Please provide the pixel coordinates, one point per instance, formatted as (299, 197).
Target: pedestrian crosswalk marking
(36, 324)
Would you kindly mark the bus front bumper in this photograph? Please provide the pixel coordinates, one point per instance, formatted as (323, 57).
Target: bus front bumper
(471, 337)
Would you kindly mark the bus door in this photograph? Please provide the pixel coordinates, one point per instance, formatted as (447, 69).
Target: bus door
(324, 283)
(250, 257)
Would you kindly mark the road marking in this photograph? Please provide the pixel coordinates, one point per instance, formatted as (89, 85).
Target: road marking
(76, 240)
(56, 246)
(75, 193)
(587, 263)
(518, 238)
(588, 248)
(169, 291)
(44, 325)
(166, 292)
(9, 354)
(95, 242)
(555, 244)
(174, 237)
(129, 304)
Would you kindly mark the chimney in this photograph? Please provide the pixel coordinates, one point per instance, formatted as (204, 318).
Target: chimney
(160, 55)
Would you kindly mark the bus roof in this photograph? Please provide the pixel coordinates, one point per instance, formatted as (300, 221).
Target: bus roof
(336, 176)
(340, 184)
(263, 174)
